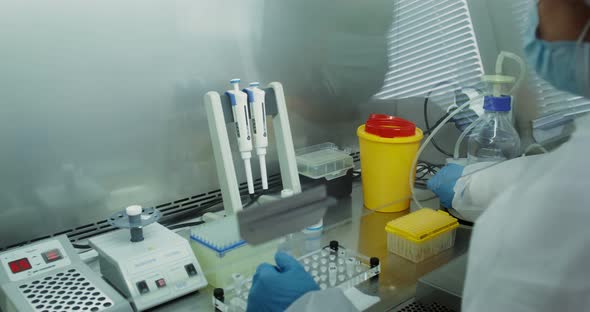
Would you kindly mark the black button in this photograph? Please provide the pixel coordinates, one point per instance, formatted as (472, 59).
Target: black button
(190, 269)
(142, 287)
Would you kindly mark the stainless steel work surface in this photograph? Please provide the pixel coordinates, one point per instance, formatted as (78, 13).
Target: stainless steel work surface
(360, 229)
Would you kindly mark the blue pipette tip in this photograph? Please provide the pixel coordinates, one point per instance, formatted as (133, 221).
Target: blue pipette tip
(254, 84)
(235, 80)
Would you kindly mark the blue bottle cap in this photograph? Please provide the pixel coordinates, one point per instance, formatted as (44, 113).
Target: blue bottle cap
(254, 84)
(235, 80)
(497, 103)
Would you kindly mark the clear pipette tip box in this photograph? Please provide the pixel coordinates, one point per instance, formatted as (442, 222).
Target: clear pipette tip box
(330, 268)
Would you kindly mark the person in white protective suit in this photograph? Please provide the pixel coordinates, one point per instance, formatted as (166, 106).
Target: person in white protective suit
(530, 248)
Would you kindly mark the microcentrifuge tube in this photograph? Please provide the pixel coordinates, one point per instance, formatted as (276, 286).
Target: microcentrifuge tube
(323, 269)
(341, 268)
(350, 266)
(340, 261)
(238, 281)
(332, 257)
(341, 277)
(342, 253)
(324, 261)
(314, 273)
(323, 286)
(323, 277)
(316, 279)
(306, 261)
(314, 265)
(307, 268)
(324, 252)
(315, 257)
(332, 275)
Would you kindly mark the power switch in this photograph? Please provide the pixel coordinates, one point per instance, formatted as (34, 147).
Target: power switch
(190, 269)
(161, 283)
(142, 287)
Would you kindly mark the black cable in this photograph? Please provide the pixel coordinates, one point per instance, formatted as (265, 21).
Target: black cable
(436, 124)
(183, 225)
(81, 246)
(428, 129)
(191, 214)
(253, 199)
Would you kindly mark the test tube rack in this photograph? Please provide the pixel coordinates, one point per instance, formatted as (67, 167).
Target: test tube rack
(219, 114)
(331, 267)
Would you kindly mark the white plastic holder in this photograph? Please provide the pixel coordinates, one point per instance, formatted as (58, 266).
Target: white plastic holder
(219, 115)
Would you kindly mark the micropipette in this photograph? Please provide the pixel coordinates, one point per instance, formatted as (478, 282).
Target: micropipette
(258, 114)
(239, 103)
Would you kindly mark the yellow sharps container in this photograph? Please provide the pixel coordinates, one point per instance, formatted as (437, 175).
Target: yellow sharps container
(388, 146)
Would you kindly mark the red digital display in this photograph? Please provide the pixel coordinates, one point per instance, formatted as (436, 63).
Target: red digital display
(19, 265)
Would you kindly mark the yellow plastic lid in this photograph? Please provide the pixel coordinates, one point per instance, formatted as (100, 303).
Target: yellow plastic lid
(422, 225)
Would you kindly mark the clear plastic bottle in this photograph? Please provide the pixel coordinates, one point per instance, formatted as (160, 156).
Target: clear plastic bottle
(494, 138)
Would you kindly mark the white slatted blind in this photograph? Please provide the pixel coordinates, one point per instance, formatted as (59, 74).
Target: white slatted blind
(431, 42)
(555, 107)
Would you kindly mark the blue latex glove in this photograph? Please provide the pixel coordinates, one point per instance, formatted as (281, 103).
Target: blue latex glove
(444, 181)
(276, 288)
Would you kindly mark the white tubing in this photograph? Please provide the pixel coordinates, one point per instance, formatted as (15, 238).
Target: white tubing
(521, 65)
(263, 171)
(249, 178)
(463, 134)
(428, 139)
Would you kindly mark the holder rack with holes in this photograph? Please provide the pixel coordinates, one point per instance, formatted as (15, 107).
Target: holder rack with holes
(332, 266)
(50, 276)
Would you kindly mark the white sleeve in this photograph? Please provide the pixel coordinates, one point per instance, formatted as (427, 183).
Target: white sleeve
(483, 182)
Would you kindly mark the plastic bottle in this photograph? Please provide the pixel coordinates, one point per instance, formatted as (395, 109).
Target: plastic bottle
(494, 139)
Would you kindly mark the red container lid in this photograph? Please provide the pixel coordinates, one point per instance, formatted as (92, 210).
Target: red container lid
(387, 126)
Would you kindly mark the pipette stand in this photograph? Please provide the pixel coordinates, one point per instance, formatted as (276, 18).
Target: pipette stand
(219, 114)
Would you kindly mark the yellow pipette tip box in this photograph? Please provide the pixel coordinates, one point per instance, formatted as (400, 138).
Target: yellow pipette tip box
(421, 234)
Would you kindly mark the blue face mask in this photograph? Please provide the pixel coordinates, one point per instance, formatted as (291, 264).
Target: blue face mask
(564, 64)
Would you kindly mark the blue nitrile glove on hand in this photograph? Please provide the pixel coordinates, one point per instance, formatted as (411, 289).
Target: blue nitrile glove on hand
(275, 288)
(443, 183)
